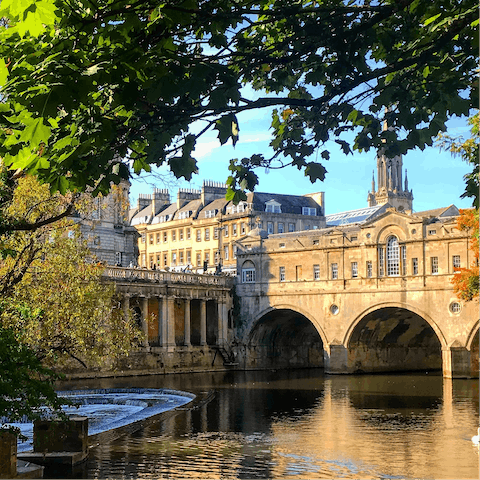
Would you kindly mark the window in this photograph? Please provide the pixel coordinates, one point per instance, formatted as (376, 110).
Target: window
(225, 231)
(158, 260)
(281, 274)
(380, 261)
(242, 228)
(353, 238)
(316, 242)
(225, 252)
(234, 229)
(281, 245)
(334, 270)
(150, 261)
(207, 258)
(199, 259)
(403, 249)
(455, 307)
(217, 257)
(118, 258)
(456, 261)
(432, 232)
(248, 275)
(393, 257)
(188, 234)
(354, 269)
(174, 235)
(180, 234)
(96, 240)
(316, 272)
(181, 257)
(369, 269)
(234, 248)
(143, 260)
(144, 236)
(215, 233)
(281, 228)
(165, 259)
(158, 238)
(174, 259)
(207, 234)
(415, 266)
(434, 265)
(189, 257)
(309, 211)
(184, 214)
(199, 235)
(273, 207)
(307, 227)
(165, 238)
(291, 227)
(269, 227)
(150, 238)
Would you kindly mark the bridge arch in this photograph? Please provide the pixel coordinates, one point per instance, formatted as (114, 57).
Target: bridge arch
(284, 336)
(394, 337)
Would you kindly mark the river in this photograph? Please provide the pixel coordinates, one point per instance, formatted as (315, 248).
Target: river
(299, 424)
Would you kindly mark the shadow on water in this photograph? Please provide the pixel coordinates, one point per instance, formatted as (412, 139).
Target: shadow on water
(302, 423)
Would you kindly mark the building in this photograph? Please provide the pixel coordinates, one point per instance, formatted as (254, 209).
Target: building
(201, 229)
(370, 292)
(107, 230)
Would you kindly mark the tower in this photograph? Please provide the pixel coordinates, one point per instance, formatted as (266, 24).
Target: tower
(389, 181)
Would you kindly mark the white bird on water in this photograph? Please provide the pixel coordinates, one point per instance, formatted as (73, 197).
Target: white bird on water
(476, 438)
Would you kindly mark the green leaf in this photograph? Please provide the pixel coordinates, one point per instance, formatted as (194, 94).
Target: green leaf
(35, 132)
(3, 72)
(431, 19)
(227, 127)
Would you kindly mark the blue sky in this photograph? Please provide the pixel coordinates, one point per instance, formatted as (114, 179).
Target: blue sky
(435, 177)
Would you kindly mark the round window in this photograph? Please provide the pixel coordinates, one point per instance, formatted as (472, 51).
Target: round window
(368, 235)
(414, 231)
(455, 307)
(334, 309)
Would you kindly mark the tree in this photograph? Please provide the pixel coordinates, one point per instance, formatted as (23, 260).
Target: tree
(466, 280)
(87, 84)
(53, 306)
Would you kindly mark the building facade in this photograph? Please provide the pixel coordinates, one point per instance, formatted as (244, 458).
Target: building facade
(201, 229)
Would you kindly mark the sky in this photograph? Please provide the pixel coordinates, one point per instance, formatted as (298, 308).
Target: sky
(435, 177)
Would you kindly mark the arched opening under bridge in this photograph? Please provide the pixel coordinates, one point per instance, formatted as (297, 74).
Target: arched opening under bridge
(284, 338)
(393, 339)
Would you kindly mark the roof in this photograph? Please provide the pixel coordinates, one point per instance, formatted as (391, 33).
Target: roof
(289, 203)
(450, 211)
(360, 215)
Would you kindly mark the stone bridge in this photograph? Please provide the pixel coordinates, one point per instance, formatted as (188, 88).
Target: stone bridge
(375, 297)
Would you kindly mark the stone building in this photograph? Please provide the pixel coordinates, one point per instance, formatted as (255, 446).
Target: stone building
(202, 228)
(110, 236)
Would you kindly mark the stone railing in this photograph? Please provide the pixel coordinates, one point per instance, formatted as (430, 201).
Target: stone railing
(121, 274)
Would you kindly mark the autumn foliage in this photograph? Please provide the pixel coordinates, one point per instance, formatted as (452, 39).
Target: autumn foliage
(466, 281)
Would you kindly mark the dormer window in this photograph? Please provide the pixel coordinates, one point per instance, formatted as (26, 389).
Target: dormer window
(210, 213)
(309, 211)
(273, 207)
(240, 208)
(165, 218)
(185, 214)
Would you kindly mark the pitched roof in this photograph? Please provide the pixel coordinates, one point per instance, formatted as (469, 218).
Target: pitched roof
(450, 211)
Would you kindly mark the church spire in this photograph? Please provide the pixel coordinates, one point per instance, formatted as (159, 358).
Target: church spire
(373, 181)
(406, 181)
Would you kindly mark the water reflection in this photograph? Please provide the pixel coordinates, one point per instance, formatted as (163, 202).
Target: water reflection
(303, 424)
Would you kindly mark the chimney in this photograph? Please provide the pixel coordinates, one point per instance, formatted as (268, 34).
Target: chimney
(143, 201)
(185, 195)
(212, 191)
(160, 197)
(319, 199)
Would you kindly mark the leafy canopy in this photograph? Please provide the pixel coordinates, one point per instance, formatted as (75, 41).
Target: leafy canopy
(87, 84)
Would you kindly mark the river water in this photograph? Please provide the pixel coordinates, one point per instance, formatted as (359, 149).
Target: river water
(299, 424)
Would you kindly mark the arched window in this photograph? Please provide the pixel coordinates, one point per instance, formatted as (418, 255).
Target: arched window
(248, 272)
(393, 257)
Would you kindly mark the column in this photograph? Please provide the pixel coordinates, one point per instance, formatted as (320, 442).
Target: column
(456, 362)
(164, 322)
(203, 322)
(161, 322)
(145, 320)
(336, 359)
(186, 337)
(220, 337)
(170, 301)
